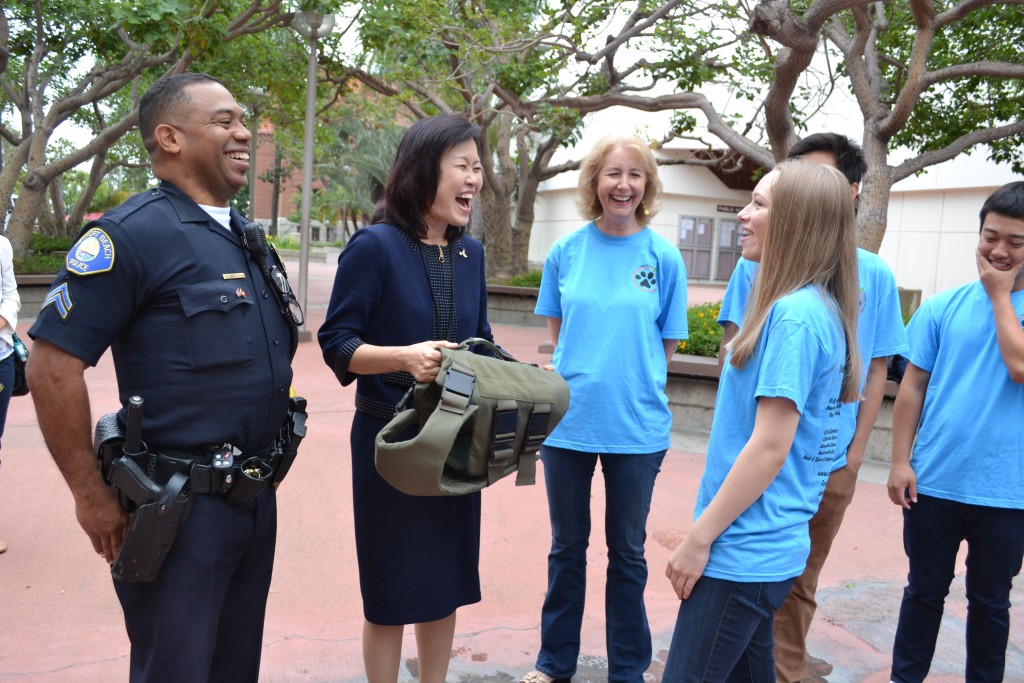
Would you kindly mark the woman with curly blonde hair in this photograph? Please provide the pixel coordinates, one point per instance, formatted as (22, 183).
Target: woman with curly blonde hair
(614, 294)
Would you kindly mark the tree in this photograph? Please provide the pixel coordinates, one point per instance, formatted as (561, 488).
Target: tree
(73, 63)
(365, 140)
(449, 56)
(75, 193)
(528, 71)
(910, 66)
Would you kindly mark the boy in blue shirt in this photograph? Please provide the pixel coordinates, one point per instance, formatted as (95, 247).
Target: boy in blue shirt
(963, 479)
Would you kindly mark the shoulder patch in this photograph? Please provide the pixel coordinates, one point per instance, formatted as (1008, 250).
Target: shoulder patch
(92, 253)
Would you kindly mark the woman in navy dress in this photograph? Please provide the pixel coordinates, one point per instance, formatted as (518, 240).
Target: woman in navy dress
(409, 283)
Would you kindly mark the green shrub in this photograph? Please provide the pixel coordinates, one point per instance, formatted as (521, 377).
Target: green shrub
(45, 244)
(38, 264)
(527, 279)
(705, 332)
(289, 242)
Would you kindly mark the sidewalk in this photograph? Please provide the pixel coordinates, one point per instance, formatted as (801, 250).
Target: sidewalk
(61, 621)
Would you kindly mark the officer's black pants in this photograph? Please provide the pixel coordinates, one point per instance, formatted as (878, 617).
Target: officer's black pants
(202, 619)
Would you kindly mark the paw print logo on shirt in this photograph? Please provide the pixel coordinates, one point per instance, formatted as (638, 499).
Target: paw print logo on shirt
(645, 279)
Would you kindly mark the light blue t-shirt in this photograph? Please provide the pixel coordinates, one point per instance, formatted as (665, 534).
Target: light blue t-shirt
(880, 330)
(800, 356)
(618, 298)
(970, 443)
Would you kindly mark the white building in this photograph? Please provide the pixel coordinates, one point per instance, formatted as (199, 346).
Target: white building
(932, 231)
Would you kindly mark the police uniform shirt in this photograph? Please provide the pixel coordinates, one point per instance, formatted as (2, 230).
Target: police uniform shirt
(193, 326)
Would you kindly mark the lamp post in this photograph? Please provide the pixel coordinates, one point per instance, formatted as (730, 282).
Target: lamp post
(256, 97)
(311, 24)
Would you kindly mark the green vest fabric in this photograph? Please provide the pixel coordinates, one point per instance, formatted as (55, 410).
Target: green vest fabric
(482, 419)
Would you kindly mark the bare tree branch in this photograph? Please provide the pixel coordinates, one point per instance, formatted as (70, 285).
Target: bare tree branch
(636, 24)
(958, 146)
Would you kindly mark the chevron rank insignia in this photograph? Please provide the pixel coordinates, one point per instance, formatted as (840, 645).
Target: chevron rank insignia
(60, 298)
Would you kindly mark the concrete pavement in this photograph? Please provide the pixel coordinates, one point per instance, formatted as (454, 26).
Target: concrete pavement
(60, 620)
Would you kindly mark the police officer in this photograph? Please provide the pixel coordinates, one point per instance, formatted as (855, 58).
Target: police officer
(198, 328)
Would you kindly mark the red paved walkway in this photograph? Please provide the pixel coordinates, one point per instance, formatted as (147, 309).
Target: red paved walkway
(60, 621)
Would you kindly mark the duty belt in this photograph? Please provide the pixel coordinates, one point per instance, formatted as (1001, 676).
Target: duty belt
(197, 465)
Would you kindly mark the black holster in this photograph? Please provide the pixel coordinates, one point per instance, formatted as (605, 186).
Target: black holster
(152, 528)
(156, 510)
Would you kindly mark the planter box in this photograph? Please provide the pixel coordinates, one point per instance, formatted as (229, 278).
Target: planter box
(316, 254)
(33, 290)
(513, 306)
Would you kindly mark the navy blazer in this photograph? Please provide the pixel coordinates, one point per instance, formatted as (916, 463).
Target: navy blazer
(382, 297)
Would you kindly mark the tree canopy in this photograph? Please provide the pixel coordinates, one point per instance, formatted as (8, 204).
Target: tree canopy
(744, 80)
(87, 62)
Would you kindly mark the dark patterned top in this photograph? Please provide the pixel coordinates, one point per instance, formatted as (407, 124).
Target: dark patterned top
(380, 298)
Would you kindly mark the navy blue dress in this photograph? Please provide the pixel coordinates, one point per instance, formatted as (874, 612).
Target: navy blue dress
(418, 556)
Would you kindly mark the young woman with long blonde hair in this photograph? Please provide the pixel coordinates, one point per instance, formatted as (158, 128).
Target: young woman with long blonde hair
(775, 428)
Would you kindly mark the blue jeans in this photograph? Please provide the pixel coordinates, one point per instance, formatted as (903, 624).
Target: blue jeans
(724, 632)
(629, 484)
(933, 529)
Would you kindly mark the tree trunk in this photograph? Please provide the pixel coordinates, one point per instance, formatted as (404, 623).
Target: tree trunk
(497, 196)
(873, 202)
(8, 185)
(97, 172)
(60, 212)
(497, 211)
(524, 225)
(525, 214)
(31, 202)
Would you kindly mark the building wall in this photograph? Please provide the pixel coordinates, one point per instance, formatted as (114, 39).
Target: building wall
(931, 237)
(290, 187)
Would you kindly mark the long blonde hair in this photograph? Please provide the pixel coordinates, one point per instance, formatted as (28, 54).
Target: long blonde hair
(810, 238)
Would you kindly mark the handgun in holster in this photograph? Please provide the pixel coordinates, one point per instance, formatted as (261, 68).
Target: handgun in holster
(291, 435)
(155, 511)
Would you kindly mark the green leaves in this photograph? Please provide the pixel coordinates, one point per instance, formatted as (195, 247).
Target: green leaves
(156, 22)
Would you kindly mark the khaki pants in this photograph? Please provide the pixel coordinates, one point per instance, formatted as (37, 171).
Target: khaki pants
(793, 619)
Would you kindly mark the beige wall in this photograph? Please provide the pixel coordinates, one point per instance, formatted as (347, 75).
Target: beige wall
(931, 237)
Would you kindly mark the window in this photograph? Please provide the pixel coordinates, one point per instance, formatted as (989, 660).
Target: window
(728, 248)
(707, 253)
(696, 245)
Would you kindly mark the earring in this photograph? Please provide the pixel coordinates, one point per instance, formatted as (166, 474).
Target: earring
(646, 211)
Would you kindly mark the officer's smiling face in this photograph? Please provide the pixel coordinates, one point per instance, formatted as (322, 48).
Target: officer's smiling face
(215, 145)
